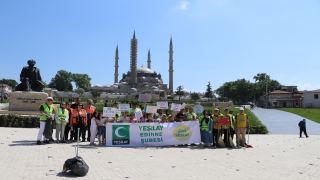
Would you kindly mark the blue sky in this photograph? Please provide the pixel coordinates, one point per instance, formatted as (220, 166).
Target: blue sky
(213, 40)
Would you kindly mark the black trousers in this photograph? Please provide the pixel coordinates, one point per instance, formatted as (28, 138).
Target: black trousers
(66, 132)
(82, 132)
(303, 129)
(225, 135)
(215, 136)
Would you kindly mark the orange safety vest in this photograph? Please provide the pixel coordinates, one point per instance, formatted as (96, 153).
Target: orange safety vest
(70, 115)
(76, 115)
(90, 111)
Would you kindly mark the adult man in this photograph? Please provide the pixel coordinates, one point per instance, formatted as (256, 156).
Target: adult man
(181, 115)
(216, 126)
(77, 102)
(302, 126)
(79, 120)
(46, 116)
(134, 109)
(30, 78)
(62, 118)
(90, 109)
(227, 129)
(241, 122)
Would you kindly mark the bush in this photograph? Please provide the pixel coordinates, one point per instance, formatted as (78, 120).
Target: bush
(13, 120)
(259, 129)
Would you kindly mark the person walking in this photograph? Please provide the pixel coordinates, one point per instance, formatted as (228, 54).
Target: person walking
(62, 118)
(90, 109)
(302, 126)
(241, 124)
(46, 115)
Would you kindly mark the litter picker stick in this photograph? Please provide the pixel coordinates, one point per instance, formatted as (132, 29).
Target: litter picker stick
(78, 142)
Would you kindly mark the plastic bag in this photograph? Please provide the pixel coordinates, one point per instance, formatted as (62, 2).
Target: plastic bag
(76, 165)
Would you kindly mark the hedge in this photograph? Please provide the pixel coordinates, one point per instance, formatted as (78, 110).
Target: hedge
(12, 120)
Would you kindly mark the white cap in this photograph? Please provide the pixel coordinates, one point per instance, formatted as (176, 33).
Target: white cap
(49, 98)
(216, 109)
(241, 109)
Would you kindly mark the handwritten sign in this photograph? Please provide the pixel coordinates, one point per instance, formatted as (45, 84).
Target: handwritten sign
(198, 109)
(175, 107)
(162, 105)
(151, 109)
(144, 98)
(183, 105)
(124, 107)
(138, 115)
(109, 112)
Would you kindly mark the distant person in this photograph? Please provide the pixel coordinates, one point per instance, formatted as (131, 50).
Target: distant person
(77, 102)
(89, 109)
(302, 126)
(62, 119)
(79, 120)
(206, 130)
(241, 124)
(46, 116)
(93, 127)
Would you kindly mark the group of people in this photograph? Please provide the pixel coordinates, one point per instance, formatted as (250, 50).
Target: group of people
(70, 118)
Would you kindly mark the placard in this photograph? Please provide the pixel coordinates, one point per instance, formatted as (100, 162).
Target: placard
(224, 121)
(162, 105)
(175, 107)
(138, 115)
(183, 105)
(109, 112)
(124, 107)
(151, 109)
(144, 98)
(198, 109)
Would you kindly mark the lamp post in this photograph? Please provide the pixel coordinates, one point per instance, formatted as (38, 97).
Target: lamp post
(2, 94)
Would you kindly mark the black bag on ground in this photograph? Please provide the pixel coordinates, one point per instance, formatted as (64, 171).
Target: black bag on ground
(76, 165)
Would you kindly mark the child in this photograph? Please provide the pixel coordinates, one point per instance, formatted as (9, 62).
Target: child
(132, 118)
(101, 129)
(93, 127)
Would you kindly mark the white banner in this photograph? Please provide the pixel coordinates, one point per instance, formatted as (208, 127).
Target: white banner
(162, 105)
(124, 107)
(152, 134)
(175, 107)
(151, 109)
(109, 112)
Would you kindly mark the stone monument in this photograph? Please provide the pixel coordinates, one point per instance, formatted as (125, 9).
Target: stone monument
(28, 95)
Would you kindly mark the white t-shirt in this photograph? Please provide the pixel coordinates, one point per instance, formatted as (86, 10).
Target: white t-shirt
(93, 122)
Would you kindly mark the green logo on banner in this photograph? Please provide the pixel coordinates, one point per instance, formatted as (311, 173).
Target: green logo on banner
(120, 134)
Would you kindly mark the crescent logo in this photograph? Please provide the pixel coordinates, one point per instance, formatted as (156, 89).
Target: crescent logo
(117, 132)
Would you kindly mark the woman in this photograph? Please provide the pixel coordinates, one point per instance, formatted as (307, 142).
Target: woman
(149, 117)
(164, 119)
(132, 118)
(124, 118)
(93, 128)
(62, 118)
(206, 130)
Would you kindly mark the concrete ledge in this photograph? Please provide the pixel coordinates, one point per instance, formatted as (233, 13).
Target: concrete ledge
(27, 113)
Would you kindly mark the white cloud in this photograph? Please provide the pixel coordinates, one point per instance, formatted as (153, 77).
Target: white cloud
(307, 86)
(183, 5)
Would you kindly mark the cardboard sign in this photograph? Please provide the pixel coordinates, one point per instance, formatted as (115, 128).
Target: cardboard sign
(151, 109)
(124, 107)
(138, 115)
(162, 105)
(183, 105)
(198, 109)
(109, 112)
(224, 121)
(144, 98)
(175, 107)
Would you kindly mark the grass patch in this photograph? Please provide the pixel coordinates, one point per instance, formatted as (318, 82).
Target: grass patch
(308, 113)
(6, 108)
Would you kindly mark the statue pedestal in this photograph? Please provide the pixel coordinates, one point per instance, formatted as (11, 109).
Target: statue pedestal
(26, 100)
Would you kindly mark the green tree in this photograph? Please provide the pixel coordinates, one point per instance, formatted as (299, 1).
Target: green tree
(80, 91)
(95, 94)
(240, 90)
(195, 96)
(62, 81)
(10, 82)
(261, 81)
(208, 92)
(82, 81)
(179, 92)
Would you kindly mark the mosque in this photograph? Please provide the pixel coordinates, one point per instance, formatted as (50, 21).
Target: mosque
(139, 80)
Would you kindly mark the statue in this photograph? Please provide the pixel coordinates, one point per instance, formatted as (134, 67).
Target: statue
(30, 78)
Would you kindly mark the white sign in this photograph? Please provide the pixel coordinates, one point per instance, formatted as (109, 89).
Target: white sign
(144, 98)
(124, 107)
(162, 105)
(152, 134)
(138, 115)
(109, 112)
(175, 107)
(151, 109)
(183, 105)
(198, 109)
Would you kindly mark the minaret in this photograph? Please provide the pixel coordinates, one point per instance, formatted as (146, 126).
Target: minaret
(171, 67)
(116, 66)
(149, 59)
(133, 61)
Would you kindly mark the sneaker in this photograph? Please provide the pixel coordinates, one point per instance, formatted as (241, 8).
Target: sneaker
(51, 139)
(57, 141)
(307, 136)
(83, 140)
(63, 141)
(46, 142)
(39, 143)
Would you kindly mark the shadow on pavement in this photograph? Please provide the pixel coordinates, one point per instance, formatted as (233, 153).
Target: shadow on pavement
(24, 143)
(67, 174)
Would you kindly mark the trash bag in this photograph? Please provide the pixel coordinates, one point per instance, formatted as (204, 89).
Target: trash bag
(76, 165)
(47, 133)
